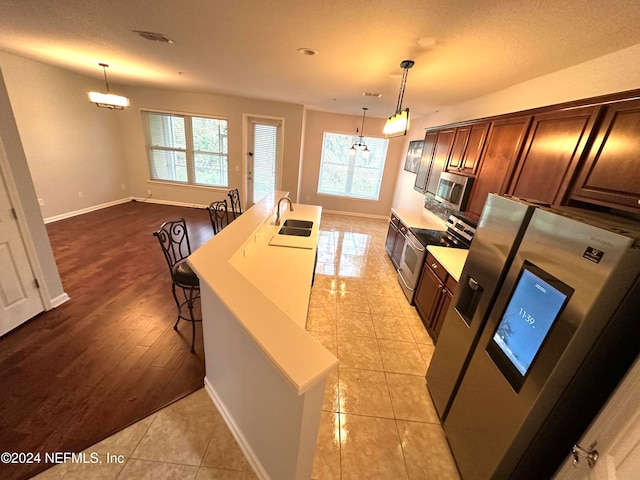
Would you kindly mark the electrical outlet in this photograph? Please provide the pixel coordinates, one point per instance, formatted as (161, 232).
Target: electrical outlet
(149, 192)
(41, 202)
(122, 186)
(80, 195)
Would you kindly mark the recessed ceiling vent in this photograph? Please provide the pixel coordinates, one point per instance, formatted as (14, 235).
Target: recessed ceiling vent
(154, 37)
(371, 94)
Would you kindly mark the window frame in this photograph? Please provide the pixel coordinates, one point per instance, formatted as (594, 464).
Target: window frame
(189, 151)
(351, 166)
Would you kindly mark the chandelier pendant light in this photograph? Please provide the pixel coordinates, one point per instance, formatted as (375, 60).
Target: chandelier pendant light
(398, 124)
(360, 143)
(108, 100)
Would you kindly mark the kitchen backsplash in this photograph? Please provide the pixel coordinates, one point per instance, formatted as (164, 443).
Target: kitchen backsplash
(437, 208)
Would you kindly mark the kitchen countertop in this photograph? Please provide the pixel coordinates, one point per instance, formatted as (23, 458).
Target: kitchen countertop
(452, 259)
(267, 288)
(423, 219)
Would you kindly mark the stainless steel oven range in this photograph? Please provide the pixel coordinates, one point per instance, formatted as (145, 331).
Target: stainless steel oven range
(459, 234)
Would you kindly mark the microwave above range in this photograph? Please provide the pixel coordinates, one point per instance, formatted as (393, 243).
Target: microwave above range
(453, 190)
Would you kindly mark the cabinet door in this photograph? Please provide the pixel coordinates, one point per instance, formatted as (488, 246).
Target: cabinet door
(611, 173)
(438, 320)
(440, 156)
(475, 144)
(498, 161)
(552, 149)
(427, 296)
(425, 162)
(457, 151)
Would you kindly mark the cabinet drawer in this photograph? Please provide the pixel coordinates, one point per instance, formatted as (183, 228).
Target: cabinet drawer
(436, 268)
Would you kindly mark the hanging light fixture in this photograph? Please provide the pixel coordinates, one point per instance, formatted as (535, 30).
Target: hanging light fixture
(108, 100)
(398, 124)
(360, 143)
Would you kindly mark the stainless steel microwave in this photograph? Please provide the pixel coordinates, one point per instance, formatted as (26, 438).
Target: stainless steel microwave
(453, 190)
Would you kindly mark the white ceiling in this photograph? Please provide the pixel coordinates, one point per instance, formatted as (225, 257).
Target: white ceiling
(462, 48)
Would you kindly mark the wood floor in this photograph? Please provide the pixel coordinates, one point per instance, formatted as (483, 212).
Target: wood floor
(109, 356)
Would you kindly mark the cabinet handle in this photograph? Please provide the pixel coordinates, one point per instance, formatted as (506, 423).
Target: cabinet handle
(434, 266)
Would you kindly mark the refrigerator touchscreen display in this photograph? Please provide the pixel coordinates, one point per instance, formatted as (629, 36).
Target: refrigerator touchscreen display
(535, 304)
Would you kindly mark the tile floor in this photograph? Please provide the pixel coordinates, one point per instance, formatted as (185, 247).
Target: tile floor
(377, 420)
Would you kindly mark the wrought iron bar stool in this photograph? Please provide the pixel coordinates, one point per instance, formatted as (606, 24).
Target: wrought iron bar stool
(174, 240)
(219, 215)
(236, 208)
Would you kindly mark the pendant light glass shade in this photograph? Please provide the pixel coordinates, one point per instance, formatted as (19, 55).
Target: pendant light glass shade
(108, 100)
(360, 143)
(398, 123)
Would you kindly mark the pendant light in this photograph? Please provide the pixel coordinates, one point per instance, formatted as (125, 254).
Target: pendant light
(360, 143)
(398, 124)
(108, 100)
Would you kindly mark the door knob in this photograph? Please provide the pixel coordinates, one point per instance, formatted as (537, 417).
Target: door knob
(591, 455)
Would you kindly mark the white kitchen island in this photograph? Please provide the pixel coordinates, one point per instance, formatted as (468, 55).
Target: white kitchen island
(264, 371)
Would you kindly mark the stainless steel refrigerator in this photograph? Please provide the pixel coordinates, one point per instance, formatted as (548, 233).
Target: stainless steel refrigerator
(543, 325)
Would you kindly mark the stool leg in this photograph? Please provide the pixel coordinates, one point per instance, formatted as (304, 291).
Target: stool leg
(193, 321)
(175, 297)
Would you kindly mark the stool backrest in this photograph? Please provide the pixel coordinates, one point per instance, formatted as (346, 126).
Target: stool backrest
(236, 208)
(219, 215)
(174, 240)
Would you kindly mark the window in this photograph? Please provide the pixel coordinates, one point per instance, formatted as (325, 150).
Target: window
(186, 149)
(356, 176)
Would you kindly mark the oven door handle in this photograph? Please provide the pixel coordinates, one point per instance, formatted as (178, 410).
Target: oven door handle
(404, 281)
(420, 248)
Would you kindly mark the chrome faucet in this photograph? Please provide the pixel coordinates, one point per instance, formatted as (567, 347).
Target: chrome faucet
(278, 211)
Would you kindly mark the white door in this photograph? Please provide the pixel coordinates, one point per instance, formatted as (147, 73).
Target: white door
(19, 296)
(264, 158)
(614, 434)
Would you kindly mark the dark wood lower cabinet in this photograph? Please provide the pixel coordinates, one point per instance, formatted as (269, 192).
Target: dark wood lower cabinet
(433, 295)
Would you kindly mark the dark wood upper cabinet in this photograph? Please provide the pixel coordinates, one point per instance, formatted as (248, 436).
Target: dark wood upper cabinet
(551, 153)
(425, 162)
(497, 162)
(440, 157)
(459, 146)
(610, 175)
(467, 147)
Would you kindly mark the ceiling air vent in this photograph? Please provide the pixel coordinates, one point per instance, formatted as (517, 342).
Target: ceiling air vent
(155, 37)
(371, 94)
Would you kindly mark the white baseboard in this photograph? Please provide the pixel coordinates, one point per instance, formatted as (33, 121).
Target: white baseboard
(59, 300)
(353, 214)
(167, 202)
(62, 216)
(237, 434)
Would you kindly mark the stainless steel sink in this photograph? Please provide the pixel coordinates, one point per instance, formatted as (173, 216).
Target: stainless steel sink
(298, 224)
(298, 232)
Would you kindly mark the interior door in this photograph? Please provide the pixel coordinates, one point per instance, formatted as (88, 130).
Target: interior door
(615, 434)
(264, 159)
(19, 296)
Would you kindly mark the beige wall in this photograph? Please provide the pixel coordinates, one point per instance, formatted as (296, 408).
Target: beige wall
(316, 123)
(616, 72)
(232, 108)
(71, 146)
